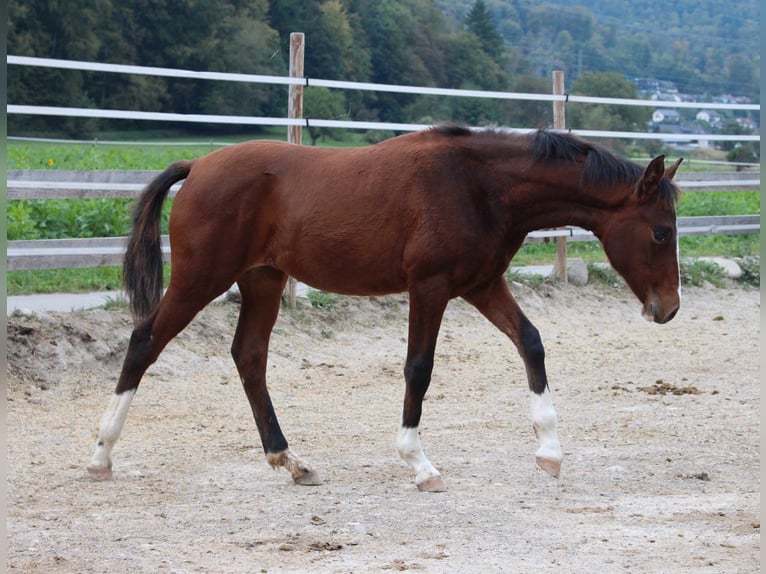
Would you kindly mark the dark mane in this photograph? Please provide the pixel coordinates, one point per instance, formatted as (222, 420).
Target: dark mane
(601, 166)
(452, 129)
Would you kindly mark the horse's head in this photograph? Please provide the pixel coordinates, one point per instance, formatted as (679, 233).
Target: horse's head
(641, 242)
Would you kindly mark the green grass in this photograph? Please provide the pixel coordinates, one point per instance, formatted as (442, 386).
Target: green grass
(64, 280)
(85, 280)
(719, 203)
(98, 155)
(37, 219)
(692, 204)
(24, 155)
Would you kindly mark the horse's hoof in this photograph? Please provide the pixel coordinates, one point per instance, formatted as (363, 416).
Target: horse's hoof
(549, 465)
(432, 484)
(100, 473)
(307, 477)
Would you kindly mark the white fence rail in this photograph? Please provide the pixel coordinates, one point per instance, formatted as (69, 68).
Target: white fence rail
(336, 84)
(66, 253)
(113, 184)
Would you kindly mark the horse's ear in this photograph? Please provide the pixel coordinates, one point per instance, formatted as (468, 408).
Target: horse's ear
(649, 184)
(670, 173)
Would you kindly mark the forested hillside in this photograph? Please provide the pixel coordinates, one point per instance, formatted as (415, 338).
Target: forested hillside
(706, 47)
(703, 46)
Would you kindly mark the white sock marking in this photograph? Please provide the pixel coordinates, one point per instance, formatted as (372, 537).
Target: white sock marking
(111, 427)
(544, 421)
(408, 445)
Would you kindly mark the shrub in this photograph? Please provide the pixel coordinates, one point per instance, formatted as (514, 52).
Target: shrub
(751, 270)
(698, 271)
(605, 274)
(321, 299)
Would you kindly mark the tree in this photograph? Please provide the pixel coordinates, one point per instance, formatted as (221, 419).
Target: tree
(608, 117)
(740, 74)
(326, 104)
(245, 46)
(731, 127)
(46, 28)
(527, 113)
(744, 153)
(471, 66)
(403, 39)
(479, 22)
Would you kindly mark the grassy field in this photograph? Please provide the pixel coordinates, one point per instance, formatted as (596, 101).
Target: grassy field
(37, 219)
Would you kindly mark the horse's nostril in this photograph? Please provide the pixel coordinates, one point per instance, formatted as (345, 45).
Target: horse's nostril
(668, 318)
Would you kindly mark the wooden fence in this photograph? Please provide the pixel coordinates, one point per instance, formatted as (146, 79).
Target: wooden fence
(67, 253)
(107, 251)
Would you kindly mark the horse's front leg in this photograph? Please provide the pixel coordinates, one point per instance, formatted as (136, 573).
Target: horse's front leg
(427, 307)
(497, 304)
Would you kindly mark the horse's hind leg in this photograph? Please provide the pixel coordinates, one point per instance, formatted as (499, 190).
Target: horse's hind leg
(497, 304)
(175, 311)
(261, 291)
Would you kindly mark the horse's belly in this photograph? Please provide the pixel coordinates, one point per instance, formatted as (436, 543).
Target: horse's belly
(339, 275)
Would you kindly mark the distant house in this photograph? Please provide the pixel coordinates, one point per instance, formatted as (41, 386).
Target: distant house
(711, 117)
(665, 97)
(702, 139)
(655, 88)
(747, 123)
(665, 116)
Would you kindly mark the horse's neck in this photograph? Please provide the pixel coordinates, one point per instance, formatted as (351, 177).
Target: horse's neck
(551, 200)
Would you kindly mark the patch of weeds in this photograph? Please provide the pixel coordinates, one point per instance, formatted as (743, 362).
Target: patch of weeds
(605, 275)
(322, 299)
(697, 272)
(393, 307)
(119, 301)
(527, 279)
(751, 270)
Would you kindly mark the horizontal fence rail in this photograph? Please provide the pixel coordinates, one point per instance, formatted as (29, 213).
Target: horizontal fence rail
(113, 184)
(342, 124)
(337, 84)
(41, 254)
(364, 86)
(60, 184)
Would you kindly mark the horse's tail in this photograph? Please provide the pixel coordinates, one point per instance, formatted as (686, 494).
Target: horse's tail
(142, 266)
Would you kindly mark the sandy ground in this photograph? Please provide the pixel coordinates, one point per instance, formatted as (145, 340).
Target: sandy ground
(660, 428)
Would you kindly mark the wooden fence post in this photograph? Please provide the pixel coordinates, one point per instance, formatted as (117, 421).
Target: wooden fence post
(559, 123)
(295, 110)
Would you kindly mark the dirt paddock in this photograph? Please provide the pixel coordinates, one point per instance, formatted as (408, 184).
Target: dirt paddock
(660, 428)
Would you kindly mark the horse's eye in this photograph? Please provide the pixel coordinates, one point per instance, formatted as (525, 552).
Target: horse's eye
(661, 234)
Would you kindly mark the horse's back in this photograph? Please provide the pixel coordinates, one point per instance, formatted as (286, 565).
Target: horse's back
(350, 220)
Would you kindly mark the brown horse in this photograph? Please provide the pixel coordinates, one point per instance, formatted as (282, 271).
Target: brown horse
(437, 213)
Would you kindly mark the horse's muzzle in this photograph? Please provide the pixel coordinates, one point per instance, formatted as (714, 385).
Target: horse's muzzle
(669, 317)
(656, 313)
